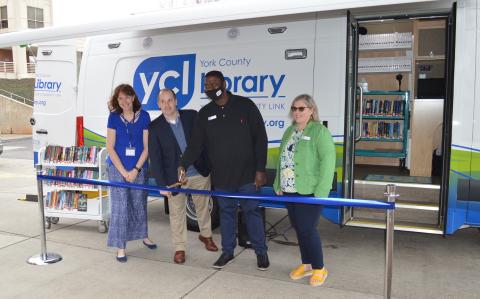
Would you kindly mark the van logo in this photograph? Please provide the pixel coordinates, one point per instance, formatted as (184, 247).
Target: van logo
(41, 85)
(155, 73)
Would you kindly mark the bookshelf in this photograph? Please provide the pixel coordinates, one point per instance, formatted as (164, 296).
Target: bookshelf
(70, 200)
(383, 119)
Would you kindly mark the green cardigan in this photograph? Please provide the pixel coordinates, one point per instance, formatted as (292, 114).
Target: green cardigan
(314, 160)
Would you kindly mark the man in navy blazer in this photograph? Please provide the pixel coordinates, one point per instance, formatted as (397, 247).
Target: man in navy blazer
(168, 136)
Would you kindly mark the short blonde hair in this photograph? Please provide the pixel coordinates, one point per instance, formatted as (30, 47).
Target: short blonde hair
(310, 104)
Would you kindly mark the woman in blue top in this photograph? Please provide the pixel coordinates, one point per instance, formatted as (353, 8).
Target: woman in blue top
(127, 146)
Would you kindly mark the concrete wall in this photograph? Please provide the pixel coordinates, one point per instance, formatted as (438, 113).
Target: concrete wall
(14, 117)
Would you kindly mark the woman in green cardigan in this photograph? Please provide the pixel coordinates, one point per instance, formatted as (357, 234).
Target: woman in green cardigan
(306, 168)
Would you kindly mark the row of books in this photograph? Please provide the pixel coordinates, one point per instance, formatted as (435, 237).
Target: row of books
(381, 129)
(66, 200)
(73, 173)
(72, 154)
(383, 107)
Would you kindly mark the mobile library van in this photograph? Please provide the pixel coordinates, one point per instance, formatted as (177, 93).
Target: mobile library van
(396, 83)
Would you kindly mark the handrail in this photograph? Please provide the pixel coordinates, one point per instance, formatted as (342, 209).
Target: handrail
(31, 67)
(16, 97)
(7, 67)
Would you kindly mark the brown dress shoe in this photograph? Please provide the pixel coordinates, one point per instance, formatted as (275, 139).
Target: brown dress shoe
(179, 257)
(209, 244)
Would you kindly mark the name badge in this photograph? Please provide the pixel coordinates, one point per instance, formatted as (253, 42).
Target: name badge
(130, 152)
(212, 117)
(306, 137)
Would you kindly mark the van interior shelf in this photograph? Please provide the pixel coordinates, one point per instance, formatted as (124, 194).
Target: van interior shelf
(395, 40)
(385, 64)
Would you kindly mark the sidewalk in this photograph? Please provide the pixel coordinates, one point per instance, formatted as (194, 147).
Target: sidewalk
(424, 266)
(13, 137)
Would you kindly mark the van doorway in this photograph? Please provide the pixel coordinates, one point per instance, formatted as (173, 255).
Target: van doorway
(395, 119)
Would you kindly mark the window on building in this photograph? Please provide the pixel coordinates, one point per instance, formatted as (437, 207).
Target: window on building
(3, 17)
(35, 17)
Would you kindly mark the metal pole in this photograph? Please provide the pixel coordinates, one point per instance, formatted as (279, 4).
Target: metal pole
(391, 196)
(44, 258)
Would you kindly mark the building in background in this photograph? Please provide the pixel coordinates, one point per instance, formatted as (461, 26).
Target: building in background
(16, 15)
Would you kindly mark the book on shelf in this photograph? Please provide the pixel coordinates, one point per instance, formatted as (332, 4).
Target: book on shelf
(66, 200)
(382, 129)
(82, 204)
(383, 107)
(71, 173)
(72, 154)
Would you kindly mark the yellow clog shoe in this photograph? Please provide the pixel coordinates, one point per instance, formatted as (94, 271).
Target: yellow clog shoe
(318, 277)
(299, 272)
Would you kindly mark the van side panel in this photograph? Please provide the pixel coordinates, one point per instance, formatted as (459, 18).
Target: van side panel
(329, 89)
(252, 60)
(256, 63)
(473, 212)
(465, 96)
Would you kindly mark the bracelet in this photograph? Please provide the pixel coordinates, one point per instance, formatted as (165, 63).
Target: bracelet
(138, 169)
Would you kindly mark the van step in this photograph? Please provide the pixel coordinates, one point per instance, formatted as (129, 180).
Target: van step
(409, 185)
(415, 205)
(420, 193)
(399, 226)
(408, 215)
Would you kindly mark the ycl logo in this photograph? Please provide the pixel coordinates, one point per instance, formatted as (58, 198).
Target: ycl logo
(174, 72)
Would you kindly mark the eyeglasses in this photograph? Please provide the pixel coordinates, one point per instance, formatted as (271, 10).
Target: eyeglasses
(298, 108)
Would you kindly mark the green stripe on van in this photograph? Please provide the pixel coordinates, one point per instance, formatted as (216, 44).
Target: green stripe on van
(93, 139)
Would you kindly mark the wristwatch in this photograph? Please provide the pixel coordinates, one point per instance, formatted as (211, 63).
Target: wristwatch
(138, 169)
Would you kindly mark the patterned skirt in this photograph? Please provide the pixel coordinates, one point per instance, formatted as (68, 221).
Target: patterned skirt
(128, 211)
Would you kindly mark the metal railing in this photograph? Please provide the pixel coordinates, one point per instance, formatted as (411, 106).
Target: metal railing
(31, 67)
(15, 97)
(45, 258)
(7, 67)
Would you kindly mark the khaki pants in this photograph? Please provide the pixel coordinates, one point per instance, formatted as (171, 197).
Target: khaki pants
(178, 214)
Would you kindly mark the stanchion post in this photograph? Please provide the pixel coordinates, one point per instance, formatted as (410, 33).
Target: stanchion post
(390, 227)
(44, 258)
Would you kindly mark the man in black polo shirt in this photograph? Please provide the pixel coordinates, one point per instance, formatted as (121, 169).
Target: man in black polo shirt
(232, 131)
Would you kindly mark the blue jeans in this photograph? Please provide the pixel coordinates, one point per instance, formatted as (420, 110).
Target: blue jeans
(304, 219)
(253, 219)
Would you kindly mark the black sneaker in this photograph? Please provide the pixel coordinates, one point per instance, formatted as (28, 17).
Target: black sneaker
(262, 262)
(223, 260)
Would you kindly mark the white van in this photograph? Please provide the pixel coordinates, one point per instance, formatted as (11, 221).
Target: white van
(273, 59)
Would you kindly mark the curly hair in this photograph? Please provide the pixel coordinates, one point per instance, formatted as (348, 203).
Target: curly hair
(128, 90)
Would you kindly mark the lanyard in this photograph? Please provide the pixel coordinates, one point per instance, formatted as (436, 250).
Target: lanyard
(129, 131)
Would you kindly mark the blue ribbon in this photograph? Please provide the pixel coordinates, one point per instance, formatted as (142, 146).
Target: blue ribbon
(351, 202)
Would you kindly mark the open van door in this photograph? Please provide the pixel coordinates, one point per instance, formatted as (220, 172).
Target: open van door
(349, 135)
(456, 184)
(55, 97)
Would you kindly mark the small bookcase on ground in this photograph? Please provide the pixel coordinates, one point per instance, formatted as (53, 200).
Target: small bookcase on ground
(72, 200)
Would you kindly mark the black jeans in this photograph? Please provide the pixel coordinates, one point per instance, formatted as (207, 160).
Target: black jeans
(304, 219)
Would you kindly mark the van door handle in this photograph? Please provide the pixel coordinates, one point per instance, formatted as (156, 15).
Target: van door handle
(360, 114)
(42, 132)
